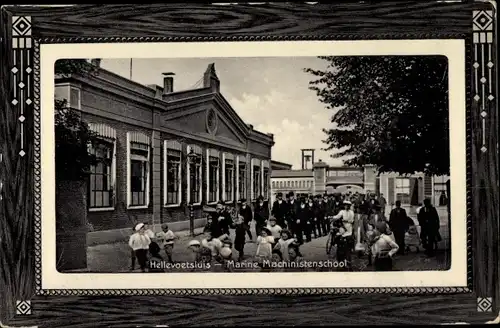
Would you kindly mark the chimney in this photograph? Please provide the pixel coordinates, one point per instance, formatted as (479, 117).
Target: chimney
(96, 62)
(210, 79)
(168, 83)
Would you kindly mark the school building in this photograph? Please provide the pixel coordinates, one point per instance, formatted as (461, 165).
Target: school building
(161, 152)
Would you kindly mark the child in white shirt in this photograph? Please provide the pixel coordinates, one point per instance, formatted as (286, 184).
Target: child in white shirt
(214, 244)
(139, 242)
(283, 243)
(166, 238)
(265, 244)
(274, 229)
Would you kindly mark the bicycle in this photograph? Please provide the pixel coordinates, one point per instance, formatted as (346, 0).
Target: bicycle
(334, 229)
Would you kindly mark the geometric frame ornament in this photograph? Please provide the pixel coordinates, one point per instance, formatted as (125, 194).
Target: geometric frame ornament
(23, 307)
(26, 29)
(484, 304)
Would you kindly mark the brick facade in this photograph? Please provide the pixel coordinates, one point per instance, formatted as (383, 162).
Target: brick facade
(125, 106)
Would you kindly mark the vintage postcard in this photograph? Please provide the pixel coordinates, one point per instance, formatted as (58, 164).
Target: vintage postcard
(160, 161)
(220, 164)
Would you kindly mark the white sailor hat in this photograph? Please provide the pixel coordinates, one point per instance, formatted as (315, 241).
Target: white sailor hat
(194, 242)
(346, 202)
(139, 226)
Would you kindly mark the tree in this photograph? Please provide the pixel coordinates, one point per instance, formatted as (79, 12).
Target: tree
(391, 111)
(72, 135)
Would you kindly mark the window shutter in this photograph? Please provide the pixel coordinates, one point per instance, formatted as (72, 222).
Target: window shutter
(390, 191)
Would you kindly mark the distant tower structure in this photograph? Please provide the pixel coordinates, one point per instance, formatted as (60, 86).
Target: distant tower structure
(307, 156)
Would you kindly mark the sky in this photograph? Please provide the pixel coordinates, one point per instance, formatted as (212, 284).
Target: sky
(272, 94)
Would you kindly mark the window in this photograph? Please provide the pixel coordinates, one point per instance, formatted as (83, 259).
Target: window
(228, 180)
(256, 181)
(403, 190)
(242, 175)
(213, 179)
(193, 174)
(138, 169)
(195, 180)
(70, 93)
(266, 183)
(102, 176)
(172, 167)
(138, 177)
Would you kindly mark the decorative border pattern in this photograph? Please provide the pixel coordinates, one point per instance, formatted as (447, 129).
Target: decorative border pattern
(483, 65)
(482, 46)
(37, 217)
(238, 38)
(253, 291)
(483, 89)
(22, 70)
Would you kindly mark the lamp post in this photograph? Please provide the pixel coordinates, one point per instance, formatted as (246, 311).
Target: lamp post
(191, 158)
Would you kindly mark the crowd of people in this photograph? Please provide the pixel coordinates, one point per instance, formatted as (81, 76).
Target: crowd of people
(354, 223)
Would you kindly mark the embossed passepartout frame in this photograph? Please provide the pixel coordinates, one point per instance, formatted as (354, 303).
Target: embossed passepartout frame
(25, 28)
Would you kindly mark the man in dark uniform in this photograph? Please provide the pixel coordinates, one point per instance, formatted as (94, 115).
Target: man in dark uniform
(372, 204)
(398, 222)
(310, 228)
(337, 204)
(320, 214)
(291, 214)
(228, 220)
(217, 226)
(260, 215)
(246, 213)
(428, 218)
(306, 217)
(279, 210)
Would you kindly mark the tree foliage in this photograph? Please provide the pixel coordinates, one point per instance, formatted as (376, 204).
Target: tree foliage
(67, 67)
(73, 138)
(72, 134)
(391, 112)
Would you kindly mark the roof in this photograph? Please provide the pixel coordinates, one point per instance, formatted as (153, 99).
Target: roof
(148, 92)
(292, 174)
(281, 165)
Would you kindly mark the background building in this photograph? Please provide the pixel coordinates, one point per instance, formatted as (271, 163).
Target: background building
(161, 151)
(298, 181)
(411, 190)
(275, 165)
